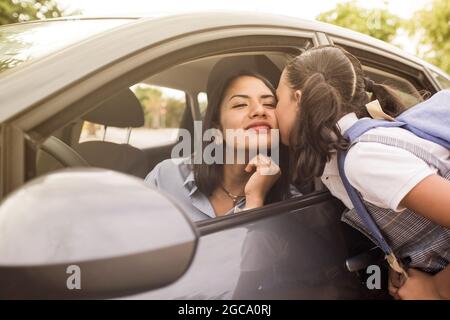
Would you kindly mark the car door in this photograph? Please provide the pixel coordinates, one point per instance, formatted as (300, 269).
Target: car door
(295, 249)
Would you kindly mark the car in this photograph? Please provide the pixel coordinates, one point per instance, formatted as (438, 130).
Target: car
(76, 218)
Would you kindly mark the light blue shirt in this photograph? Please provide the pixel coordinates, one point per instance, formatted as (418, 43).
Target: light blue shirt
(176, 178)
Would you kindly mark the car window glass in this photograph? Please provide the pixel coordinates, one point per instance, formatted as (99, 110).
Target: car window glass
(404, 88)
(202, 99)
(163, 112)
(24, 42)
(444, 82)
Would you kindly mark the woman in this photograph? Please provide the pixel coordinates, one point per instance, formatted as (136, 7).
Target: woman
(240, 100)
(321, 94)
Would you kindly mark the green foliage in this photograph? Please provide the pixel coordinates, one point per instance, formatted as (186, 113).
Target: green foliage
(159, 111)
(12, 11)
(378, 23)
(432, 27)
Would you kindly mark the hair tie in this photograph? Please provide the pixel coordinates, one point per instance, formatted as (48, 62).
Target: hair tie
(369, 84)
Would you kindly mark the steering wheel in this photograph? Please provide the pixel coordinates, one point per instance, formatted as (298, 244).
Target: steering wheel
(63, 153)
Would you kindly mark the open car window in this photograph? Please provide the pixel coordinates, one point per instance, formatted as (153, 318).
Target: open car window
(163, 110)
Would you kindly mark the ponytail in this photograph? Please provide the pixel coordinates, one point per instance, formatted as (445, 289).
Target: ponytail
(317, 135)
(390, 102)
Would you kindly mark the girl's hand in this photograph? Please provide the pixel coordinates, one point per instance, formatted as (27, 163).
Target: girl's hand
(266, 173)
(396, 280)
(419, 286)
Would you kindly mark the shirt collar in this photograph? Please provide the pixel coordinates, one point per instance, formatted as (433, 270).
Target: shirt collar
(346, 122)
(187, 172)
(189, 183)
(200, 201)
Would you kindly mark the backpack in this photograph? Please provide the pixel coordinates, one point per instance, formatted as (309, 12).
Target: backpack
(429, 120)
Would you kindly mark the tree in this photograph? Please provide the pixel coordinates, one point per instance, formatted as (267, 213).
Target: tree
(431, 26)
(159, 111)
(378, 23)
(12, 11)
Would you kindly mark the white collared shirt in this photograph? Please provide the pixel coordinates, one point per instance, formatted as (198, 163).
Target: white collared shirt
(383, 174)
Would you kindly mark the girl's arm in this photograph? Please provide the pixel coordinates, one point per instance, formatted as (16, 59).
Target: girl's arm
(431, 199)
(423, 286)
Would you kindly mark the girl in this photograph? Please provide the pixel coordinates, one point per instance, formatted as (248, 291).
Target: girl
(321, 94)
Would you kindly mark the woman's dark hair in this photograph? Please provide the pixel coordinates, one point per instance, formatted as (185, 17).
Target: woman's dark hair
(333, 84)
(209, 176)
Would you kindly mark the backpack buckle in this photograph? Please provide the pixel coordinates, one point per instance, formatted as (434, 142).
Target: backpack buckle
(395, 264)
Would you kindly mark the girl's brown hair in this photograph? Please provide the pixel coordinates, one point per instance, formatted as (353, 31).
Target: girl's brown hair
(332, 84)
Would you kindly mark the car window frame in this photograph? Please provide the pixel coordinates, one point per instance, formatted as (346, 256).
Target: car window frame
(436, 74)
(388, 61)
(86, 101)
(293, 205)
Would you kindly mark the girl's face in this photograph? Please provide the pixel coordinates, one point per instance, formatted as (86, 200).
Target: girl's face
(248, 104)
(287, 107)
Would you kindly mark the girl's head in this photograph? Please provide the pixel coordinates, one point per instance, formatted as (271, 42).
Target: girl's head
(316, 89)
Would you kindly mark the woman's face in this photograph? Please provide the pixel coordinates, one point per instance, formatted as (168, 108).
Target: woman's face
(287, 108)
(249, 105)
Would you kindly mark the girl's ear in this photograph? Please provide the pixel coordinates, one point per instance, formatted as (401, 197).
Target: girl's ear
(298, 96)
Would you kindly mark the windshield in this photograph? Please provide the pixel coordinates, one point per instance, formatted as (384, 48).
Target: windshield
(24, 42)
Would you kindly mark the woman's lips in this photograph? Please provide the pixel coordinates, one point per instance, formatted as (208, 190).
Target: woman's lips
(259, 128)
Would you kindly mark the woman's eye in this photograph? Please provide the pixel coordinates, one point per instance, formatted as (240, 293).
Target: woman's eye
(271, 105)
(239, 105)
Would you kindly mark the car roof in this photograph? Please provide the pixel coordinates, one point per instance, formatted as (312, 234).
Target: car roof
(176, 24)
(302, 23)
(71, 18)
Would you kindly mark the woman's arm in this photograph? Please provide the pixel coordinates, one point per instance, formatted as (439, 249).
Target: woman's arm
(431, 199)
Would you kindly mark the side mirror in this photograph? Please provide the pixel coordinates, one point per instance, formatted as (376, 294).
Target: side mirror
(90, 233)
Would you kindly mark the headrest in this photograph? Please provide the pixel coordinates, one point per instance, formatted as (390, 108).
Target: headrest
(122, 110)
(229, 67)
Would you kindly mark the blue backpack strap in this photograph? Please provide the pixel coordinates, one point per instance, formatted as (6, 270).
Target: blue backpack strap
(365, 124)
(367, 219)
(360, 207)
(424, 135)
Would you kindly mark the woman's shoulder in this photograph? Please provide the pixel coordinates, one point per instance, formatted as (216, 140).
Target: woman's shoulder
(169, 170)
